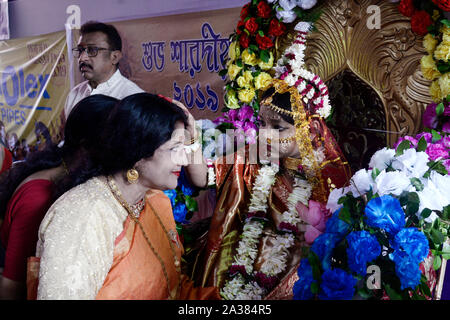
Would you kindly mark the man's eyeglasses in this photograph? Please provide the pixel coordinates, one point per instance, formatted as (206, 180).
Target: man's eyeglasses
(91, 51)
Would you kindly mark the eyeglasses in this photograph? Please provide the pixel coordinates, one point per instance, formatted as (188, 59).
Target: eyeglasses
(91, 51)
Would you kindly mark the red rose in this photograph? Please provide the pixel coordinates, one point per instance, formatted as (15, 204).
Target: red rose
(264, 10)
(443, 4)
(251, 25)
(406, 8)
(239, 25)
(264, 43)
(276, 28)
(420, 22)
(244, 40)
(245, 11)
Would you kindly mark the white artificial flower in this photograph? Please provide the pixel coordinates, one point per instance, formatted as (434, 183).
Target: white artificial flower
(205, 124)
(361, 182)
(442, 183)
(382, 159)
(287, 5)
(306, 4)
(303, 26)
(413, 163)
(333, 198)
(431, 197)
(393, 182)
(287, 16)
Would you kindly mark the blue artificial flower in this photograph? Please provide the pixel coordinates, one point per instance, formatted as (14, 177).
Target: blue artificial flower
(336, 225)
(362, 248)
(323, 247)
(302, 287)
(337, 285)
(386, 213)
(179, 212)
(184, 184)
(171, 194)
(413, 242)
(407, 270)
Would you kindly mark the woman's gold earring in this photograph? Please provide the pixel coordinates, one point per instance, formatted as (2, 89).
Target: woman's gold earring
(132, 176)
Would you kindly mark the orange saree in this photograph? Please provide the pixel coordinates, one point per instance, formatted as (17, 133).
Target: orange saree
(137, 273)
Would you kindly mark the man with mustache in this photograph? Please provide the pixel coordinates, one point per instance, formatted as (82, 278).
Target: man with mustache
(98, 52)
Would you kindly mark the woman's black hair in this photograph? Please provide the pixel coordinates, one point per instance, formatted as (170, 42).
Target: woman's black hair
(138, 125)
(282, 101)
(82, 128)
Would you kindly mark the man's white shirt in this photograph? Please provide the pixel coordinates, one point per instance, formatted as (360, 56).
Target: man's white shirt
(117, 87)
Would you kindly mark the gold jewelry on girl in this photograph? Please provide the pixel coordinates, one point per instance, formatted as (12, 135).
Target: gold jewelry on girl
(132, 176)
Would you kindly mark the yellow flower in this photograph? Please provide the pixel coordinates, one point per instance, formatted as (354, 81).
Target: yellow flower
(266, 65)
(249, 58)
(444, 85)
(442, 52)
(429, 43)
(445, 35)
(435, 91)
(246, 95)
(429, 69)
(436, 15)
(233, 70)
(245, 81)
(262, 80)
(233, 51)
(231, 100)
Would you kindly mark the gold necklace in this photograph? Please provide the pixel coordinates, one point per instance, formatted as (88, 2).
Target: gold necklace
(118, 196)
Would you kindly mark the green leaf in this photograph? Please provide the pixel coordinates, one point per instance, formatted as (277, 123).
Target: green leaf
(375, 173)
(426, 213)
(393, 295)
(437, 236)
(446, 22)
(442, 66)
(448, 98)
(261, 33)
(345, 216)
(264, 55)
(446, 212)
(413, 203)
(239, 63)
(421, 145)
(439, 109)
(437, 262)
(253, 48)
(191, 204)
(315, 288)
(436, 136)
(223, 72)
(417, 184)
(405, 144)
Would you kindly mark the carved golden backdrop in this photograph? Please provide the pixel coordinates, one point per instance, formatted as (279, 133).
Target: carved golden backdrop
(386, 60)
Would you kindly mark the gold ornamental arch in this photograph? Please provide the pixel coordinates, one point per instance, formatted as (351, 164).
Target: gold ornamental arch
(386, 59)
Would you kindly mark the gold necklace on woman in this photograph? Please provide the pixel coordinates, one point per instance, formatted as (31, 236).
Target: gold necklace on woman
(118, 195)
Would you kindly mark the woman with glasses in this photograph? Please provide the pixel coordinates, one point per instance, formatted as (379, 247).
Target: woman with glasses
(98, 241)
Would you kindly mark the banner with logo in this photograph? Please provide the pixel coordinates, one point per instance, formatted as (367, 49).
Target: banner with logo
(33, 89)
(4, 20)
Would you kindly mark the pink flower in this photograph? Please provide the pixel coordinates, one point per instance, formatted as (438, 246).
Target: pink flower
(446, 164)
(410, 139)
(446, 127)
(436, 151)
(426, 135)
(315, 215)
(429, 117)
(445, 141)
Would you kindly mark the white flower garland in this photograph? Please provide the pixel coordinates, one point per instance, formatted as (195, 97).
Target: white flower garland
(291, 69)
(247, 250)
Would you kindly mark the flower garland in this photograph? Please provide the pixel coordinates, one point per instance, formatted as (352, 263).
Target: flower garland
(290, 67)
(239, 287)
(251, 52)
